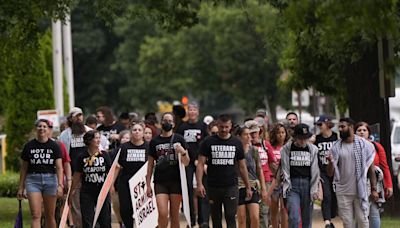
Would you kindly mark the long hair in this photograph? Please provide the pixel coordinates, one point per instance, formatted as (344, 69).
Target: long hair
(274, 133)
(108, 115)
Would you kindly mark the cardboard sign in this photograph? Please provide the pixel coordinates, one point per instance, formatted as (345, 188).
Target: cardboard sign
(51, 115)
(65, 212)
(145, 211)
(185, 195)
(105, 189)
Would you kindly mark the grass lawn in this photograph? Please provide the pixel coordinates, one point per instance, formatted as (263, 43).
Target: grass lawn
(9, 210)
(390, 222)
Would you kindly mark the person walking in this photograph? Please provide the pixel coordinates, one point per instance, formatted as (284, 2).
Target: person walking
(350, 160)
(164, 150)
(41, 175)
(384, 177)
(256, 179)
(324, 141)
(132, 157)
(91, 172)
(299, 162)
(193, 131)
(224, 154)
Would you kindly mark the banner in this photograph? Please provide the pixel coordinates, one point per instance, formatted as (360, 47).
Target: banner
(65, 212)
(145, 211)
(105, 189)
(185, 195)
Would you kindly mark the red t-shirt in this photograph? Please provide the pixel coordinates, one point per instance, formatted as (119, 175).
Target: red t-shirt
(266, 157)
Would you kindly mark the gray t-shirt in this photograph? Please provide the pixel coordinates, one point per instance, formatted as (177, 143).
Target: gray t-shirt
(347, 184)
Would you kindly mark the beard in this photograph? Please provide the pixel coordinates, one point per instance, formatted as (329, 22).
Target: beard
(344, 134)
(78, 128)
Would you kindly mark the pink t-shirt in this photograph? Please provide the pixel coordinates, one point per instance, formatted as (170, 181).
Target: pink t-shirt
(266, 157)
(276, 151)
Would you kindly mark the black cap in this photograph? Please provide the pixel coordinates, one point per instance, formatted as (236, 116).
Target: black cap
(323, 119)
(302, 131)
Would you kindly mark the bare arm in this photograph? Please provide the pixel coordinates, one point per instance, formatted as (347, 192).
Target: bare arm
(150, 167)
(243, 173)
(330, 168)
(260, 175)
(60, 177)
(68, 173)
(372, 178)
(184, 154)
(201, 160)
(22, 178)
(76, 179)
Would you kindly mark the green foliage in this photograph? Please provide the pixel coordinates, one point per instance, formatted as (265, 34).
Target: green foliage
(326, 38)
(9, 184)
(29, 89)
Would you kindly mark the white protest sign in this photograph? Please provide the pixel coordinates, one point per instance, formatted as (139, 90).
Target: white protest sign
(185, 195)
(105, 189)
(145, 211)
(51, 115)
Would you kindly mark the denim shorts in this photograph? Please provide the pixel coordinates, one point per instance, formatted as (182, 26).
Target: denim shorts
(46, 183)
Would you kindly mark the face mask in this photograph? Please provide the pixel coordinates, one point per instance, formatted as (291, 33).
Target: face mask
(344, 134)
(166, 126)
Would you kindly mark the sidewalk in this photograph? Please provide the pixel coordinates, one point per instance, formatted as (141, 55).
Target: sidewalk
(317, 220)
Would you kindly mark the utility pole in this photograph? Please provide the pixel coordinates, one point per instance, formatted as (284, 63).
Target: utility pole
(57, 67)
(68, 61)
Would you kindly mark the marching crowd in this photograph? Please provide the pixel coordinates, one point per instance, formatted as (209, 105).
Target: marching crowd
(255, 173)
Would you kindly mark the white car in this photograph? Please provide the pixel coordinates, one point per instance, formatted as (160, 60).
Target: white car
(395, 139)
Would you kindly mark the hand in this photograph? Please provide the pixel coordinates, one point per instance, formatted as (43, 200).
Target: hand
(205, 169)
(249, 194)
(114, 137)
(112, 190)
(374, 195)
(20, 193)
(201, 191)
(316, 196)
(329, 157)
(178, 148)
(60, 191)
(388, 193)
(149, 192)
(265, 198)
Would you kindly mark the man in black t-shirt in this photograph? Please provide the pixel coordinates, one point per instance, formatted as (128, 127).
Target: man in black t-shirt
(324, 142)
(193, 131)
(224, 153)
(108, 126)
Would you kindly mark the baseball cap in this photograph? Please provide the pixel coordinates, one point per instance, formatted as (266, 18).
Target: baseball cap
(261, 112)
(302, 131)
(208, 119)
(323, 119)
(75, 111)
(252, 125)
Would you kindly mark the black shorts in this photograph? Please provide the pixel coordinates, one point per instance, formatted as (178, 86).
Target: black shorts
(168, 188)
(254, 199)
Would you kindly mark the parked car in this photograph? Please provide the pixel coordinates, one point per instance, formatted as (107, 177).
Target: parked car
(395, 139)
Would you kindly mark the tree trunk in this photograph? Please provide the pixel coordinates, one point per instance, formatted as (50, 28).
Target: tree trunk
(365, 104)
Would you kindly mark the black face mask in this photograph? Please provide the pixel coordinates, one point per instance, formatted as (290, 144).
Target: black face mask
(166, 126)
(344, 134)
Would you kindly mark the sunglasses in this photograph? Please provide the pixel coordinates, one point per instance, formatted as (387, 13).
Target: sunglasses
(319, 124)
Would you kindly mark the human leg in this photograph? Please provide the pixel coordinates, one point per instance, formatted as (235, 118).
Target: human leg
(241, 216)
(162, 200)
(361, 217)
(374, 216)
(190, 170)
(126, 209)
(175, 204)
(346, 210)
(105, 214)
(230, 201)
(87, 212)
(35, 206)
(215, 198)
(254, 209)
(49, 203)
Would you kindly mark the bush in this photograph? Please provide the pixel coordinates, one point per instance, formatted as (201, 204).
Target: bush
(9, 184)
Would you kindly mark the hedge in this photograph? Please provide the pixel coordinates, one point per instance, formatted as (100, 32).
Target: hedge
(9, 184)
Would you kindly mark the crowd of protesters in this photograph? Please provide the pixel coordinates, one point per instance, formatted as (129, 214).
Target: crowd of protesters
(254, 173)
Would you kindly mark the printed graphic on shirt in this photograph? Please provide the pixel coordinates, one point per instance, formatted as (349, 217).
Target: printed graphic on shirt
(324, 148)
(223, 154)
(263, 155)
(94, 169)
(108, 133)
(77, 141)
(136, 155)
(166, 149)
(300, 158)
(42, 157)
(192, 135)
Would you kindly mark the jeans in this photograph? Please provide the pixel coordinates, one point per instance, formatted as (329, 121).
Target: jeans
(229, 198)
(299, 204)
(329, 203)
(89, 200)
(374, 216)
(350, 211)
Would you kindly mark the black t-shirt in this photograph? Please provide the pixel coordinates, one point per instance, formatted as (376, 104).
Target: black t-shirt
(300, 161)
(94, 170)
(41, 156)
(193, 133)
(132, 158)
(167, 164)
(222, 155)
(115, 128)
(324, 145)
(76, 148)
